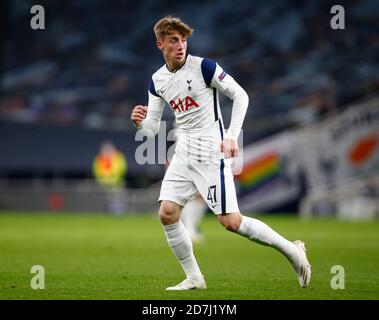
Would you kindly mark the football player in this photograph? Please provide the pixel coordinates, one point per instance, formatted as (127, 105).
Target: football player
(190, 85)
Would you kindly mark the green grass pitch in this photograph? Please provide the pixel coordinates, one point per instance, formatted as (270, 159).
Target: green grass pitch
(105, 257)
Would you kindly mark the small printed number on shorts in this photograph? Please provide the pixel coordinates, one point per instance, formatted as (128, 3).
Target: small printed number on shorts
(212, 194)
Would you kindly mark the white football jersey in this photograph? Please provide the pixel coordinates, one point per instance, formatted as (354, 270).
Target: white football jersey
(191, 91)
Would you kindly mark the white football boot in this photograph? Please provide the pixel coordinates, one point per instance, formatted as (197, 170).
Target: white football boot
(189, 284)
(302, 268)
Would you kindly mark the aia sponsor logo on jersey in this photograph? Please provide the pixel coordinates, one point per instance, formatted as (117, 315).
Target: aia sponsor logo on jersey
(183, 104)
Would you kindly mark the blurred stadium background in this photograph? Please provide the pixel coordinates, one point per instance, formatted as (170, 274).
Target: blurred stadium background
(311, 133)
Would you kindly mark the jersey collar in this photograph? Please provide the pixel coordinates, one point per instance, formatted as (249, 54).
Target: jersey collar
(177, 67)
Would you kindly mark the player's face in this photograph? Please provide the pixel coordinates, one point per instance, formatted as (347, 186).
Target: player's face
(174, 48)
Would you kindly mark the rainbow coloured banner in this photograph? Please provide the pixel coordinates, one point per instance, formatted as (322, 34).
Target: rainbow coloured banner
(269, 177)
(260, 171)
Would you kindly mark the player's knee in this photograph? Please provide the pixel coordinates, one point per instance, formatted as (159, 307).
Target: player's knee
(231, 222)
(231, 226)
(168, 213)
(166, 217)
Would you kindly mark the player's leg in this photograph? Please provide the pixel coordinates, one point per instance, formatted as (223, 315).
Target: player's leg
(192, 214)
(175, 192)
(178, 238)
(180, 242)
(261, 233)
(217, 188)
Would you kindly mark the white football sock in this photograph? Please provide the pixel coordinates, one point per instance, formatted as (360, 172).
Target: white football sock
(261, 233)
(180, 243)
(192, 214)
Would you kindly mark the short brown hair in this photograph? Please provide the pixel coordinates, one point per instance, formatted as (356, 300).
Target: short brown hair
(168, 25)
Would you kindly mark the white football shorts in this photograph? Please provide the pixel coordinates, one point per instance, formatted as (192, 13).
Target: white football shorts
(214, 181)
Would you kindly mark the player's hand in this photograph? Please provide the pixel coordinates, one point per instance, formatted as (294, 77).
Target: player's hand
(230, 148)
(138, 114)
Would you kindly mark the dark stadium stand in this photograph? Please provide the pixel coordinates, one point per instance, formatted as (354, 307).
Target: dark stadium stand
(93, 61)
